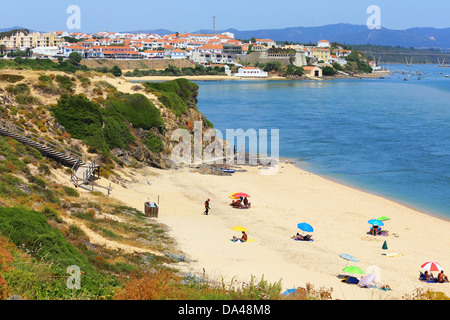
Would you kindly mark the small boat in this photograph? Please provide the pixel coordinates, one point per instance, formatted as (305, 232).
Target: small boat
(228, 170)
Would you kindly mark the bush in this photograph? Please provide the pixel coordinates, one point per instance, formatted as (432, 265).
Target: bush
(329, 71)
(154, 142)
(82, 119)
(115, 131)
(65, 83)
(29, 229)
(71, 192)
(137, 109)
(11, 78)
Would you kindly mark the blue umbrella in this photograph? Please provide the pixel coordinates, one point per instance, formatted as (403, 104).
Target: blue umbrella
(305, 227)
(289, 291)
(376, 222)
(348, 257)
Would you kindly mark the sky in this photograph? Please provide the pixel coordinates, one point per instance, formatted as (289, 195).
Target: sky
(193, 15)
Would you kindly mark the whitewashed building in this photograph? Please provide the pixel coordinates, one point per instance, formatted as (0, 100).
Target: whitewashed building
(251, 72)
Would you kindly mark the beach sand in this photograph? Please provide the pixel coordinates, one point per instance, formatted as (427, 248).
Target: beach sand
(339, 215)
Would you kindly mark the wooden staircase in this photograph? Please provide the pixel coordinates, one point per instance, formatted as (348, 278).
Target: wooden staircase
(82, 174)
(52, 149)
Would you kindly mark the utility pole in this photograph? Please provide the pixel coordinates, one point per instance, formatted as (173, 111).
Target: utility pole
(214, 24)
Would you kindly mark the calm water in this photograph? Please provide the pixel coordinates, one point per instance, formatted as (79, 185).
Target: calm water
(390, 137)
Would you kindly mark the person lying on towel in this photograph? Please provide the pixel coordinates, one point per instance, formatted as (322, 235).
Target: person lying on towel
(303, 238)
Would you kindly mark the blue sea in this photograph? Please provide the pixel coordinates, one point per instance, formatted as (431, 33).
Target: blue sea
(389, 137)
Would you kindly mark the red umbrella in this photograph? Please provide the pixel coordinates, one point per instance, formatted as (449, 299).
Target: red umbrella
(238, 195)
(432, 266)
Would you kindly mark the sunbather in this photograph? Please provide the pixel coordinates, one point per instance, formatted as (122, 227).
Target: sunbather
(350, 280)
(384, 287)
(303, 238)
(441, 278)
(374, 230)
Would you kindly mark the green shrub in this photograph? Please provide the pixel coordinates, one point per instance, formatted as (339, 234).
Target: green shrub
(154, 142)
(65, 83)
(18, 89)
(115, 131)
(137, 109)
(11, 78)
(82, 118)
(29, 229)
(71, 192)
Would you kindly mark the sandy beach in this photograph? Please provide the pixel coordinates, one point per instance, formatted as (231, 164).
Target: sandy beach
(339, 215)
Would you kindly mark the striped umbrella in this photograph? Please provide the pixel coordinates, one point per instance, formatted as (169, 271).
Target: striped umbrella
(348, 257)
(367, 280)
(432, 266)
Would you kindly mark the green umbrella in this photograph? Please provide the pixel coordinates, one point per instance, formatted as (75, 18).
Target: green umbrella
(353, 269)
(384, 218)
(384, 247)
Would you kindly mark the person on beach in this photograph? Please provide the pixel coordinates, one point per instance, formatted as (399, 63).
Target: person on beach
(298, 236)
(384, 287)
(428, 276)
(246, 202)
(374, 230)
(244, 237)
(441, 278)
(207, 206)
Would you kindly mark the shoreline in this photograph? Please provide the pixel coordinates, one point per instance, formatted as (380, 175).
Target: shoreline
(372, 192)
(270, 78)
(338, 213)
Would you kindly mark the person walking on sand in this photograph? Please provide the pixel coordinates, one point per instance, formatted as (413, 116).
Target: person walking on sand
(207, 206)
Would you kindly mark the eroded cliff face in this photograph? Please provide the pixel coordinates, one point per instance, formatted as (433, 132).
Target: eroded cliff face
(30, 100)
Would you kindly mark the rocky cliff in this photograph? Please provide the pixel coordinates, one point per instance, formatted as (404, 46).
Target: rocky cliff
(122, 122)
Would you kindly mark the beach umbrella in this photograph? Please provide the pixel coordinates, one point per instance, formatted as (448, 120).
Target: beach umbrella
(376, 222)
(305, 227)
(353, 270)
(432, 266)
(289, 291)
(366, 280)
(238, 195)
(384, 218)
(384, 247)
(239, 228)
(348, 257)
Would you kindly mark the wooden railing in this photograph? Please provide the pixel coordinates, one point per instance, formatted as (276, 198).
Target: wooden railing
(40, 141)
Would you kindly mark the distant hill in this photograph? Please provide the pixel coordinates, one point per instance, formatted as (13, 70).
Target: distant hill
(11, 28)
(355, 34)
(343, 33)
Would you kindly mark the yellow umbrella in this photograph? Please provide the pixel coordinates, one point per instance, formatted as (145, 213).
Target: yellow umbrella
(239, 228)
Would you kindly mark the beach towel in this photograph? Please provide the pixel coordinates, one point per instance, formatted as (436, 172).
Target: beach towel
(384, 289)
(311, 240)
(395, 254)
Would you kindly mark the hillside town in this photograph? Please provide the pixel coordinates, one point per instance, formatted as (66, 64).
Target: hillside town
(204, 49)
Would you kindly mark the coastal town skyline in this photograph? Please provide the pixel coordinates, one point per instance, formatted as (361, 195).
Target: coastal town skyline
(198, 15)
